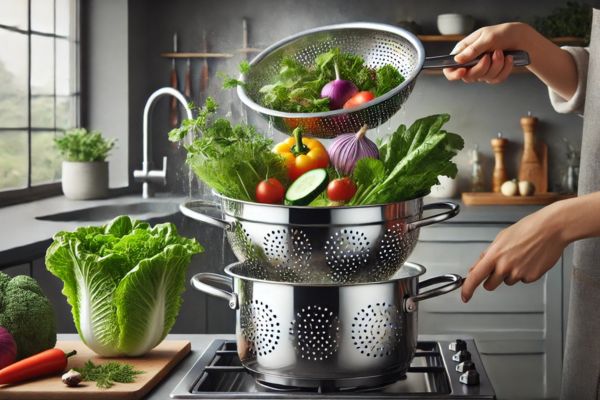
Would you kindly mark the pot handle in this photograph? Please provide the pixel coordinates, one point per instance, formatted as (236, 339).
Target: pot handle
(205, 281)
(452, 282)
(452, 211)
(192, 209)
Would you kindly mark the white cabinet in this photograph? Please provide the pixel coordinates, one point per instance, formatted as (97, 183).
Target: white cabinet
(518, 329)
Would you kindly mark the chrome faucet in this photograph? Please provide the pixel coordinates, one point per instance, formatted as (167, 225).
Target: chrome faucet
(146, 175)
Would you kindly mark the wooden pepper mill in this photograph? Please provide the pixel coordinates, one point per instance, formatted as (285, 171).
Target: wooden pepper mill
(534, 163)
(499, 176)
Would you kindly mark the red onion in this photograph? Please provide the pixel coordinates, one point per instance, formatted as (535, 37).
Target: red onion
(347, 149)
(8, 348)
(338, 91)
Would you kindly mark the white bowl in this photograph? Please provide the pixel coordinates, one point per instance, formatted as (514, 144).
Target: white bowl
(455, 24)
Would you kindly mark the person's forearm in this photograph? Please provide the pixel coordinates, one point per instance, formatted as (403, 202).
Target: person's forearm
(577, 218)
(553, 65)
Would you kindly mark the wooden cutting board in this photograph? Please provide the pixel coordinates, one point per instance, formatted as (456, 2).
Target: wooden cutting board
(492, 199)
(156, 364)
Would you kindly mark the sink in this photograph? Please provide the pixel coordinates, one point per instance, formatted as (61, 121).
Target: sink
(141, 211)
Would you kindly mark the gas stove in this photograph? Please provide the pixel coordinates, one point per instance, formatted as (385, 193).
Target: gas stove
(448, 369)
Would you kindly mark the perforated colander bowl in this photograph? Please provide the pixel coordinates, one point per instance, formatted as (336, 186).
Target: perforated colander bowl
(378, 44)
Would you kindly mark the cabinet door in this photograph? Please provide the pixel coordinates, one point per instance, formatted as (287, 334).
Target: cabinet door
(518, 329)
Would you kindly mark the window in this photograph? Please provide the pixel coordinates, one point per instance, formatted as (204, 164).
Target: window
(39, 90)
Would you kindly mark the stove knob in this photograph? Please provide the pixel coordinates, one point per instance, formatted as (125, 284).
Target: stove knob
(470, 378)
(458, 345)
(461, 356)
(465, 366)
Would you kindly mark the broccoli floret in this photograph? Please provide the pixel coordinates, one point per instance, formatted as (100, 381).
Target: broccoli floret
(27, 314)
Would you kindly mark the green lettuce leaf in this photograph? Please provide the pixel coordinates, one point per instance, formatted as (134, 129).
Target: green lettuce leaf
(123, 281)
(411, 160)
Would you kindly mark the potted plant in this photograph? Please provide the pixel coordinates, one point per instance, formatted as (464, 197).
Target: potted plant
(84, 169)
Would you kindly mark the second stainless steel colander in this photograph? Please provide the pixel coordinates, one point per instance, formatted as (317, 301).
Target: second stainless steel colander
(378, 44)
(320, 244)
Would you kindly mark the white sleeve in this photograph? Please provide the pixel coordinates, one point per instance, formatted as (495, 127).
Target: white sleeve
(576, 103)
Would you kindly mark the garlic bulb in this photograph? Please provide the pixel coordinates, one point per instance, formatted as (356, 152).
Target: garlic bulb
(347, 149)
(509, 188)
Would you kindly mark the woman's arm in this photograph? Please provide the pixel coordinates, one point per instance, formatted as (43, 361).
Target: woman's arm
(554, 66)
(526, 250)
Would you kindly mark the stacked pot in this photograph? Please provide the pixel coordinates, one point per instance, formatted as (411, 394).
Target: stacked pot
(324, 296)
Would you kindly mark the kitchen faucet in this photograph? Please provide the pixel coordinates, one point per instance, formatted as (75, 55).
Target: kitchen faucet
(146, 175)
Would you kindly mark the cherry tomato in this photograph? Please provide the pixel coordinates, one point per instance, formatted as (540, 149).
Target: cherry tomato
(359, 98)
(341, 189)
(270, 191)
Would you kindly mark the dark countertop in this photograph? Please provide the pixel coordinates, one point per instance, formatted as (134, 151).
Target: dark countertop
(23, 237)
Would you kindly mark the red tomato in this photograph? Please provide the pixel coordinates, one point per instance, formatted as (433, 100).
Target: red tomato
(358, 99)
(270, 191)
(341, 189)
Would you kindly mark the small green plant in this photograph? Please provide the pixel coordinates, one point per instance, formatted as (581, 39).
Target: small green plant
(573, 19)
(79, 144)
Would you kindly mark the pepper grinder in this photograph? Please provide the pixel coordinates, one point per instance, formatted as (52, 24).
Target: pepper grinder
(499, 177)
(534, 162)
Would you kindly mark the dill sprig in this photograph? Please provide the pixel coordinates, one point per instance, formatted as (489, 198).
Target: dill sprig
(105, 375)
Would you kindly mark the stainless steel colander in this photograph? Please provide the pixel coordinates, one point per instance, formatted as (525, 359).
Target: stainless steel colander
(328, 336)
(378, 44)
(320, 244)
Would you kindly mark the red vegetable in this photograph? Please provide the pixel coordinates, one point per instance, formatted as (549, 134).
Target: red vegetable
(338, 91)
(342, 189)
(270, 191)
(53, 361)
(8, 348)
(359, 98)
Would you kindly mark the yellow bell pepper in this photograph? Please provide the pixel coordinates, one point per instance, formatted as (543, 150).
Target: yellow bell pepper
(302, 154)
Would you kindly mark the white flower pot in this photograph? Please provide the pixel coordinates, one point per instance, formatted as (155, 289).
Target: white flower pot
(85, 180)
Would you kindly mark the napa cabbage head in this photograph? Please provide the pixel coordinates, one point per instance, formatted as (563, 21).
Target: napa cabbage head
(124, 282)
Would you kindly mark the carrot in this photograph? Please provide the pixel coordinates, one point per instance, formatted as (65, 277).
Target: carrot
(47, 362)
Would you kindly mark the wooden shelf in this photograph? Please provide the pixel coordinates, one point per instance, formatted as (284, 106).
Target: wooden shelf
(196, 55)
(492, 199)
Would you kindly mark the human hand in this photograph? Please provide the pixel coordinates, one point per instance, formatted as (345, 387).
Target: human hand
(493, 68)
(522, 252)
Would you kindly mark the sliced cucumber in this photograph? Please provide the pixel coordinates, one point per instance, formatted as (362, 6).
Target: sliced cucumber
(306, 188)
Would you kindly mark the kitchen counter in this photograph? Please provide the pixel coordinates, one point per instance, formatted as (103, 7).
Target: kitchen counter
(23, 237)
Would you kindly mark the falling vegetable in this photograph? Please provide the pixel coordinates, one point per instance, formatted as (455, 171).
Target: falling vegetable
(270, 191)
(53, 361)
(341, 190)
(302, 154)
(338, 91)
(8, 348)
(347, 149)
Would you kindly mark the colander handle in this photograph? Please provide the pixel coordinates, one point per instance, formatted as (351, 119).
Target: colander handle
(190, 209)
(451, 282)
(205, 281)
(520, 59)
(452, 211)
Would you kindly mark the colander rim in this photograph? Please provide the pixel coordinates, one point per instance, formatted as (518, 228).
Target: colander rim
(412, 38)
(420, 270)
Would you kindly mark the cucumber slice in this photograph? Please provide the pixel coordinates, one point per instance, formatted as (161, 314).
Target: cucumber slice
(307, 187)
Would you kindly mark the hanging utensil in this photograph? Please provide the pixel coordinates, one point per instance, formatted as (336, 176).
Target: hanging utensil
(173, 112)
(378, 44)
(204, 69)
(187, 87)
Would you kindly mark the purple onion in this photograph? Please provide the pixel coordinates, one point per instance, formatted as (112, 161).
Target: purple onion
(8, 348)
(338, 91)
(347, 149)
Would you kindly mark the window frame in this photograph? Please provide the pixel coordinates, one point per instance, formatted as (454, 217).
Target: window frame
(43, 190)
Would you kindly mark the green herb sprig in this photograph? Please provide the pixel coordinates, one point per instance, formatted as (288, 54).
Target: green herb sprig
(105, 375)
(82, 145)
